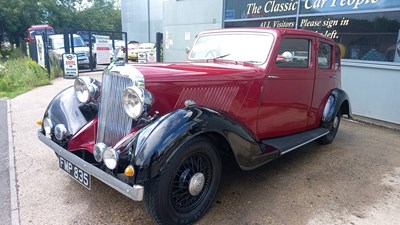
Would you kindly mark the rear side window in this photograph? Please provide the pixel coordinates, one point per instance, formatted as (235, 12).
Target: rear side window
(337, 58)
(294, 53)
(324, 55)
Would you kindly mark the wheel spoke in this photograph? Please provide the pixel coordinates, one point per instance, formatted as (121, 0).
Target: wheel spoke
(181, 198)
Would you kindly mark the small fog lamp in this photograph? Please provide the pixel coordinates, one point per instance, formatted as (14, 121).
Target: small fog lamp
(60, 132)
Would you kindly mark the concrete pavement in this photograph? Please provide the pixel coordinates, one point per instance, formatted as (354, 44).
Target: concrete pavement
(5, 196)
(355, 180)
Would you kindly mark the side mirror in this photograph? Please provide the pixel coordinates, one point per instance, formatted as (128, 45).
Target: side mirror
(187, 50)
(285, 57)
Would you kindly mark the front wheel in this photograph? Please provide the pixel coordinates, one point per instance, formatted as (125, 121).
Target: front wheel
(333, 128)
(187, 187)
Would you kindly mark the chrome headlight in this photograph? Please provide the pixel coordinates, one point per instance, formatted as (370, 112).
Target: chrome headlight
(136, 100)
(110, 157)
(86, 88)
(98, 151)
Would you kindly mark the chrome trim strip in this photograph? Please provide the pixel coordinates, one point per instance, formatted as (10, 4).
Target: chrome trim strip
(298, 146)
(134, 192)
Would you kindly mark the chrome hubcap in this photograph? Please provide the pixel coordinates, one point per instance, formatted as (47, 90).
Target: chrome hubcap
(196, 184)
(335, 122)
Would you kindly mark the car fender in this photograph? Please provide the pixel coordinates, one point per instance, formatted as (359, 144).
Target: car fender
(66, 109)
(156, 144)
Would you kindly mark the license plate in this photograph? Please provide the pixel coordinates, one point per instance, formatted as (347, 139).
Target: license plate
(75, 172)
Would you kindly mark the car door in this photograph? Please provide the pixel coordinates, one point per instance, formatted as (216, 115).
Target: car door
(325, 74)
(288, 88)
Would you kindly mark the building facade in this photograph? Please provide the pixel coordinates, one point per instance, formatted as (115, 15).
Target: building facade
(367, 31)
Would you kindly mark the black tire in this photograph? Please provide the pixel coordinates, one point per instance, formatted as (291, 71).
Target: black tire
(167, 196)
(94, 62)
(333, 128)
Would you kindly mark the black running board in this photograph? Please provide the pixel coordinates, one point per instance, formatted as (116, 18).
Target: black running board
(291, 142)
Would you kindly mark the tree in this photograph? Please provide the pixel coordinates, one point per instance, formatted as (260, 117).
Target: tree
(17, 15)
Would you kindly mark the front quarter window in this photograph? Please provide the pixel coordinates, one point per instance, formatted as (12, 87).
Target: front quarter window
(242, 47)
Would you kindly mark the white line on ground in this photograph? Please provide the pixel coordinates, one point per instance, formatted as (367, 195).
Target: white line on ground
(13, 180)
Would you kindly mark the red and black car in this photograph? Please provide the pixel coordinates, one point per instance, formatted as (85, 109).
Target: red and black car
(157, 132)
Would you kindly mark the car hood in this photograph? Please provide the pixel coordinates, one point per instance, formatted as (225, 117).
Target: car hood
(198, 72)
(215, 85)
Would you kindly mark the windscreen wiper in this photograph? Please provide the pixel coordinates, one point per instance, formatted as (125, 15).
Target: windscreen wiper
(221, 56)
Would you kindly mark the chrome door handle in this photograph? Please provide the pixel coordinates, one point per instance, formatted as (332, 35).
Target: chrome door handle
(333, 76)
(273, 77)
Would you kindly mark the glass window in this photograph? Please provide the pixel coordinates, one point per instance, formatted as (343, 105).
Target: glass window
(235, 46)
(294, 53)
(337, 58)
(324, 56)
(243, 9)
(318, 6)
(58, 42)
(366, 36)
(270, 23)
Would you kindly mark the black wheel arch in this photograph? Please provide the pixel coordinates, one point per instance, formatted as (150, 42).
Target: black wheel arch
(340, 103)
(157, 142)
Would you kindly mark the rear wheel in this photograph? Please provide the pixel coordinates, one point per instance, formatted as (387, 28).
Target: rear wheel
(187, 186)
(333, 128)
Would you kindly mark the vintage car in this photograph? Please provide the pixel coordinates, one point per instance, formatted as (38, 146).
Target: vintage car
(142, 48)
(158, 132)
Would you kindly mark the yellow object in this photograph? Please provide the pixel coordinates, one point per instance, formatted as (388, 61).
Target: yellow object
(342, 50)
(40, 122)
(129, 171)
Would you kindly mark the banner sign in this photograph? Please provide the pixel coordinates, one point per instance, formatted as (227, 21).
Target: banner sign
(102, 49)
(246, 9)
(151, 57)
(40, 50)
(142, 57)
(70, 63)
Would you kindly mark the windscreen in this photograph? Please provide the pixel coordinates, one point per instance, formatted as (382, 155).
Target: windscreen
(240, 46)
(59, 42)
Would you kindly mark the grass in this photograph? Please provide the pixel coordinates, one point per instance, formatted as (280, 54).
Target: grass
(20, 74)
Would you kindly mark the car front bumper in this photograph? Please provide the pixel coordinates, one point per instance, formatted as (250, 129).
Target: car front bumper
(134, 192)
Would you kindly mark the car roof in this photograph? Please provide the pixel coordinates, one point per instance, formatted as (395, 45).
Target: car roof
(275, 31)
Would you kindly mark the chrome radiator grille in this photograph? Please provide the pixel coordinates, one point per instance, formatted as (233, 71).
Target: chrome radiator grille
(114, 123)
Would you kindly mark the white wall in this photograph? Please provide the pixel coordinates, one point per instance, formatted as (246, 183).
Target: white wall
(374, 90)
(188, 17)
(134, 15)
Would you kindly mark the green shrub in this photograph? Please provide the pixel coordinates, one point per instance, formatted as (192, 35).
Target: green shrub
(55, 68)
(21, 75)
